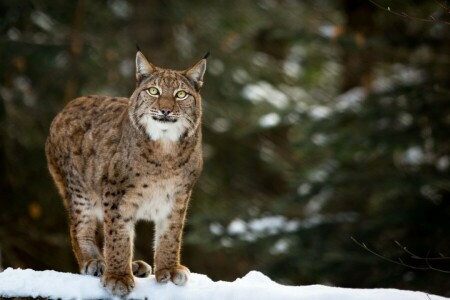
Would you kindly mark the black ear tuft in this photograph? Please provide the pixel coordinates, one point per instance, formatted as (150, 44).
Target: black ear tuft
(206, 55)
(137, 47)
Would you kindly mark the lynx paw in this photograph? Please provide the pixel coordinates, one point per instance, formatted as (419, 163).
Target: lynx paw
(118, 285)
(178, 274)
(94, 267)
(141, 268)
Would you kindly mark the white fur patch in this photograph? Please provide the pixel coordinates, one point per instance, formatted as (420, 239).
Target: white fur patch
(157, 205)
(98, 212)
(167, 131)
(158, 201)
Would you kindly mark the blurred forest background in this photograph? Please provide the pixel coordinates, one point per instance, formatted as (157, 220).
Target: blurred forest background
(323, 120)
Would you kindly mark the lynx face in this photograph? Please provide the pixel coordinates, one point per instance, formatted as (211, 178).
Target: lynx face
(166, 103)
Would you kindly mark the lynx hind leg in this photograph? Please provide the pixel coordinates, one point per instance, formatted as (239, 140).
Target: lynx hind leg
(178, 274)
(141, 269)
(94, 267)
(86, 236)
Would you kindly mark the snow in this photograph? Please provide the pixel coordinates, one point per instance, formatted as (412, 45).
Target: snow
(269, 120)
(264, 91)
(260, 227)
(413, 156)
(254, 285)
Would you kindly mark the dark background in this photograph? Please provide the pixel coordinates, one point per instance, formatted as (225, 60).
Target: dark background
(323, 120)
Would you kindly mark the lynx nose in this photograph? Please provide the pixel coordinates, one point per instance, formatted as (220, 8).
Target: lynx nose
(165, 111)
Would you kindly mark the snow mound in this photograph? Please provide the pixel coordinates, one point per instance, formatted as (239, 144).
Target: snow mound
(254, 285)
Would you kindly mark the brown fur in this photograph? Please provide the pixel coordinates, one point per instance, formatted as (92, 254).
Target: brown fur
(114, 162)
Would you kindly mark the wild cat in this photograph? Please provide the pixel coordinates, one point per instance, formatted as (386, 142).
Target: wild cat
(119, 160)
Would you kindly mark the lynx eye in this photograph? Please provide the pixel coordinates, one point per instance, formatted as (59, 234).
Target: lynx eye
(153, 91)
(181, 95)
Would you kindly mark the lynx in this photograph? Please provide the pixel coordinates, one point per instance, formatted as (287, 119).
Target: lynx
(116, 161)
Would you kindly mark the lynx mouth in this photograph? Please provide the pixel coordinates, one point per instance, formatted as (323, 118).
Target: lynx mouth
(165, 119)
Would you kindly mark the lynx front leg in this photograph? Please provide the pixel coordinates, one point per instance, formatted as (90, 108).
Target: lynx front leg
(119, 232)
(168, 233)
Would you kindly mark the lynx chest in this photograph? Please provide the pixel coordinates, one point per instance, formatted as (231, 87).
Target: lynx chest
(154, 200)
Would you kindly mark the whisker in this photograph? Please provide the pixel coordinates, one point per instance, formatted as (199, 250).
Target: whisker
(191, 123)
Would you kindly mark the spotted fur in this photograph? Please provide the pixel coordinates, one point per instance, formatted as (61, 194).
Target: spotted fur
(117, 160)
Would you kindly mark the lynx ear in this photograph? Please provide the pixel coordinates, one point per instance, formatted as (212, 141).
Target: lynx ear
(143, 67)
(195, 73)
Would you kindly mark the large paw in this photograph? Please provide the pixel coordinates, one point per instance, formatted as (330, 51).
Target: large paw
(178, 274)
(141, 268)
(118, 285)
(94, 267)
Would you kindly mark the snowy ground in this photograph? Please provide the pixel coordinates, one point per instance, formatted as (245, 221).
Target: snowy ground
(254, 285)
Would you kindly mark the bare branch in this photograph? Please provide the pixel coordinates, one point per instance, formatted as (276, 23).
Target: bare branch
(415, 256)
(434, 268)
(430, 19)
(400, 262)
(443, 5)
